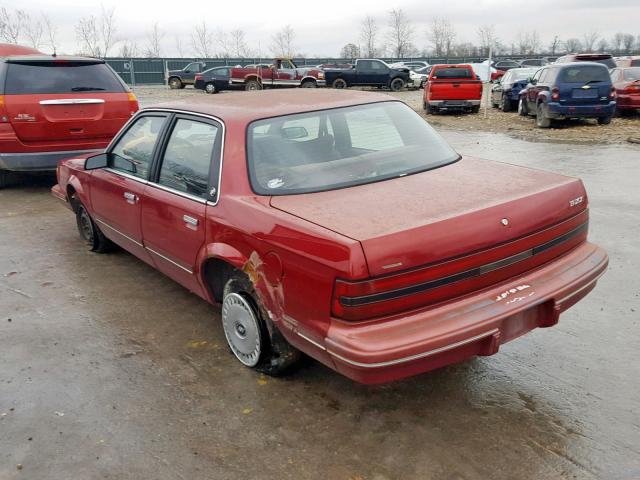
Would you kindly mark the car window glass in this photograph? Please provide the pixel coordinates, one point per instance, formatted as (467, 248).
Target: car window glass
(378, 66)
(187, 158)
(543, 76)
(506, 78)
(632, 74)
(365, 64)
(454, 73)
(134, 151)
(584, 74)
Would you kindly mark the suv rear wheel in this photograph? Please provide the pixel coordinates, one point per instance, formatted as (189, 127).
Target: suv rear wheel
(604, 120)
(542, 119)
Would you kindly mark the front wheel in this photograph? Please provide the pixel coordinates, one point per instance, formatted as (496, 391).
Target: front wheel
(339, 83)
(506, 104)
(396, 84)
(251, 336)
(175, 83)
(475, 109)
(309, 84)
(522, 108)
(89, 231)
(210, 88)
(604, 120)
(542, 119)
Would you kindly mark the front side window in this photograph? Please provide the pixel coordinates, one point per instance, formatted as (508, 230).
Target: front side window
(188, 156)
(342, 147)
(378, 66)
(134, 151)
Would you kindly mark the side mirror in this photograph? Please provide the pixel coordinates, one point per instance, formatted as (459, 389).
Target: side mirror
(532, 81)
(96, 161)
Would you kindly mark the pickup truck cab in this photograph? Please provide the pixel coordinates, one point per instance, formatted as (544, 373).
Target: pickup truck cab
(452, 87)
(283, 72)
(569, 90)
(371, 73)
(185, 76)
(283, 208)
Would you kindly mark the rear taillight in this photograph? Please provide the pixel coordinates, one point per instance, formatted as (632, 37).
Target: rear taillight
(133, 102)
(612, 94)
(198, 77)
(555, 94)
(3, 114)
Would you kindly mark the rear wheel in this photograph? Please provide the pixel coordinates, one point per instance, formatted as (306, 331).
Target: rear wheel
(427, 107)
(89, 231)
(396, 84)
(542, 119)
(252, 85)
(339, 83)
(475, 109)
(210, 88)
(252, 338)
(506, 104)
(522, 108)
(309, 84)
(5, 179)
(175, 83)
(604, 120)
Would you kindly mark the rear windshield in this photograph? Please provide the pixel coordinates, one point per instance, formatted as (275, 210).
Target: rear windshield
(632, 74)
(584, 74)
(453, 73)
(47, 77)
(342, 147)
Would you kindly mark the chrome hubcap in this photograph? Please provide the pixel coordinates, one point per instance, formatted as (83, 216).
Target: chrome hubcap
(85, 226)
(211, 88)
(241, 329)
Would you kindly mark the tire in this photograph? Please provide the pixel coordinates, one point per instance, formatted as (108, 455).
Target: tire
(339, 83)
(604, 120)
(175, 83)
(210, 88)
(475, 109)
(252, 85)
(309, 84)
(252, 338)
(506, 104)
(396, 84)
(427, 108)
(5, 179)
(522, 108)
(89, 231)
(542, 120)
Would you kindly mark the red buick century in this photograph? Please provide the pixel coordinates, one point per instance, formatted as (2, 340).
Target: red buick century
(338, 224)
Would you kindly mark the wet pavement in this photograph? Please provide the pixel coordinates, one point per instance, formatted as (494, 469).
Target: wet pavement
(111, 370)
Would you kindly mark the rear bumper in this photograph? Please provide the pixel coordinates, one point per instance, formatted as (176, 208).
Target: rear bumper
(453, 104)
(578, 111)
(37, 162)
(475, 325)
(59, 195)
(628, 102)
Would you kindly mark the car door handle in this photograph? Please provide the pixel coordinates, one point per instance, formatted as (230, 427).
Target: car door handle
(130, 197)
(190, 220)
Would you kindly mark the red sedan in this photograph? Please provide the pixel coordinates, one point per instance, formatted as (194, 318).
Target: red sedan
(339, 224)
(626, 82)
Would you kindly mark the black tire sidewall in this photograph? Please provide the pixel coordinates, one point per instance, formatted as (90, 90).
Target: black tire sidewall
(339, 81)
(396, 81)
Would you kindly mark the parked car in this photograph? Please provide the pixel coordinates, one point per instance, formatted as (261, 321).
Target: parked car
(506, 93)
(631, 61)
(626, 82)
(533, 62)
(413, 65)
(282, 73)
(215, 80)
(573, 90)
(486, 73)
(452, 87)
(186, 76)
(417, 80)
(603, 58)
(505, 65)
(286, 239)
(369, 72)
(56, 107)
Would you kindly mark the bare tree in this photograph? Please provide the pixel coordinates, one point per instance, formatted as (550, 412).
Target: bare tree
(33, 31)
(179, 47)
(350, 50)
(528, 42)
(238, 43)
(555, 44)
(88, 36)
(441, 34)
(50, 32)
(616, 41)
(282, 42)
(12, 24)
(589, 40)
(603, 45)
(222, 42)
(128, 49)
(400, 33)
(572, 45)
(107, 28)
(154, 39)
(488, 39)
(368, 34)
(201, 39)
(628, 42)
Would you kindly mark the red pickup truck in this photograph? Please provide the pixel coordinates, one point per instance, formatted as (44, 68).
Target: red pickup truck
(282, 73)
(452, 87)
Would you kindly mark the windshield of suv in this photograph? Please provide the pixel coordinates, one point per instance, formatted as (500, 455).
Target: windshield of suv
(54, 77)
(342, 147)
(584, 74)
(632, 74)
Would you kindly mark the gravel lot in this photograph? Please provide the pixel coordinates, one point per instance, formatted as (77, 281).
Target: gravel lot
(112, 371)
(574, 131)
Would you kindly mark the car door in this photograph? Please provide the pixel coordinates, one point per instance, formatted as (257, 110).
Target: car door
(175, 201)
(189, 72)
(116, 190)
(284, 72)
(364, 72)
(532, 91)
(379, 73)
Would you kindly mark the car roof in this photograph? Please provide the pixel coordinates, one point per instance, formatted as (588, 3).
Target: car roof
(249, 106)
(575, 64)
(51, 58)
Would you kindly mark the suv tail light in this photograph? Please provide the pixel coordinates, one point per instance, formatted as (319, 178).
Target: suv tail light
(133, 102)
(3, 113)
(612, 94)
(555, 94)
(198, 77)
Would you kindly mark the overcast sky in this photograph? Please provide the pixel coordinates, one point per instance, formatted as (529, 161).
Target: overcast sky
(322, 27)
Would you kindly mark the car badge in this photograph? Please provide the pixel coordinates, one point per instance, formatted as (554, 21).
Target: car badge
(504, 221)
(585, 87)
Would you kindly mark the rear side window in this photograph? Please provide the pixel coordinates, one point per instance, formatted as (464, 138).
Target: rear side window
(49, 77)
(584, 74)
(453, 73)
(187, 158)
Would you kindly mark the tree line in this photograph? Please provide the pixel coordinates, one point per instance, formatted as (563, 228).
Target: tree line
(98, 35)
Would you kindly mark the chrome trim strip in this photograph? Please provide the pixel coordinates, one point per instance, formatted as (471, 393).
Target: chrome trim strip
(71, 101)
(417, 356)
(188, 270)
(575, 292)
(126, 175)
(177, 192)
(119, 232)
(312, 342)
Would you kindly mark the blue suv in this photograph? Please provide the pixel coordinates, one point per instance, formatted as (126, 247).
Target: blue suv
(569, 90)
